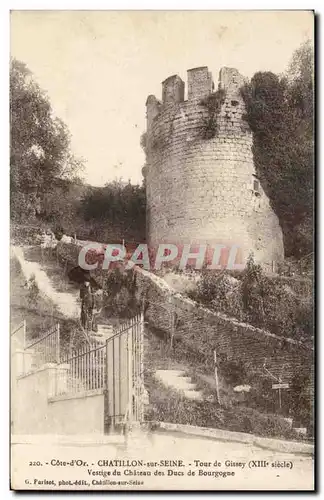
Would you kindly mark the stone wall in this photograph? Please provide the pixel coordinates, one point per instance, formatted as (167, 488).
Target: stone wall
(34, 411)
(205, 190)
(196, 327)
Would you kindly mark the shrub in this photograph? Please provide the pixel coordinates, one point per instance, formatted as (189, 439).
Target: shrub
(233, 372)
(170, 406)
(257, 299)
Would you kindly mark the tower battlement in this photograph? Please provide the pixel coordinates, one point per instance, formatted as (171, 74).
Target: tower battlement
(200, 85)
(202, 187)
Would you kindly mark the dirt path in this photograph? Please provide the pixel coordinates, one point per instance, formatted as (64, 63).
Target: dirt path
(66, 302)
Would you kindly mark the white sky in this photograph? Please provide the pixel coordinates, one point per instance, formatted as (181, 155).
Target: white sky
(98, 67)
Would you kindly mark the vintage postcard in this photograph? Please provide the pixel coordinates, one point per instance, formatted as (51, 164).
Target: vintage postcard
(161, 250)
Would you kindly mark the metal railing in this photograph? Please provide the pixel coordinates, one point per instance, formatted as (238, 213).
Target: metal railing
(19, 333)
(83, 370)
(47, 348)
(116, 367)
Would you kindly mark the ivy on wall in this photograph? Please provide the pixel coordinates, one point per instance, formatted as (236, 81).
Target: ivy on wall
(213, 103)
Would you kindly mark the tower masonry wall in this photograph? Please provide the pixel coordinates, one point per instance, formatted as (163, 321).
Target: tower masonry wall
(200, 176)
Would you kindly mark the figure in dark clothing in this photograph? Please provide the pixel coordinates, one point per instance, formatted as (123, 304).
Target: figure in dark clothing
(87, 304)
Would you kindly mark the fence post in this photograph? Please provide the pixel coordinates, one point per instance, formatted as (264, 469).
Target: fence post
(58, 354)
(107, 423)
(172, 325)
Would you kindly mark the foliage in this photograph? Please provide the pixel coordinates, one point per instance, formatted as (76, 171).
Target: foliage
(40, 145)
(119, 293)
(221, 291)
(213, 103)
(233, 372)
(259, 300)
(116, 203)
(168, 405)
(58, 232)
(280, 113)
(143, 142)
(301, 400)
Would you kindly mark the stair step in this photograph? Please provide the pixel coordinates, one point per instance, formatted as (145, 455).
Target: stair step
(196, 395)
(174, 373)
(100, 340)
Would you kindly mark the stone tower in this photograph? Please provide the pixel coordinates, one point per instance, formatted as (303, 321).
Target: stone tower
(201, 181)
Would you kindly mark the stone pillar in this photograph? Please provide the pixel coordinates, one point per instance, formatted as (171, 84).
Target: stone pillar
(172, 90)
(200, 83)
(23, 361)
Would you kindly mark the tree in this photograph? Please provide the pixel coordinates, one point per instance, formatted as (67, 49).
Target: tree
(40, 144)
(118, 204)
(280, 113)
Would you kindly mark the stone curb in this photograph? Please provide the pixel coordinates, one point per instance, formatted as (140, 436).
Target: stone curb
(240, 437)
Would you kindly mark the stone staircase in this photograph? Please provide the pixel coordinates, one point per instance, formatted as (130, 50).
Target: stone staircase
(104, 332)
(176, 379)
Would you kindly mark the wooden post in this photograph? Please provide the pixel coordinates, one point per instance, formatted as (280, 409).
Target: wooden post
(280, 399)
(216, 378)
(172, 321)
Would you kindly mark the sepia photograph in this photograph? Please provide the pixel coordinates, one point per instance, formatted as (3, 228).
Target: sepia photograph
(162, 240)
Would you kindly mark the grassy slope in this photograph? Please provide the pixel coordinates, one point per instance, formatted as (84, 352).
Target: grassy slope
(170, 406)
(40, 313)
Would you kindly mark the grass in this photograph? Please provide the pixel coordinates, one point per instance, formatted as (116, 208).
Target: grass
(167, 405)
(40, 313)
(236, 412)
(54, 268)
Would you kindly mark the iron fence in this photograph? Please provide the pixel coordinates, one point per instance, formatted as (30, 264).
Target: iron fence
(45, 349)
(115, 367)
(83, 370)
(19, 334)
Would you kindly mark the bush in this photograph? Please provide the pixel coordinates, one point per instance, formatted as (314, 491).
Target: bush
(220, 291)
(119, 288)
(301, 400)
(117, 204)
(170, 406)
(257, 299)
(233, 372)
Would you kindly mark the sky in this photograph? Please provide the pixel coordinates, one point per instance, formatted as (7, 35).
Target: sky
(98, 67)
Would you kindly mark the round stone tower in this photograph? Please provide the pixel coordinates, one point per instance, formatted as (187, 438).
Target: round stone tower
(201, 182)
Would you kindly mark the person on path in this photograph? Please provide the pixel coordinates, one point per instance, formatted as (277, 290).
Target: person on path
(87, 304)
